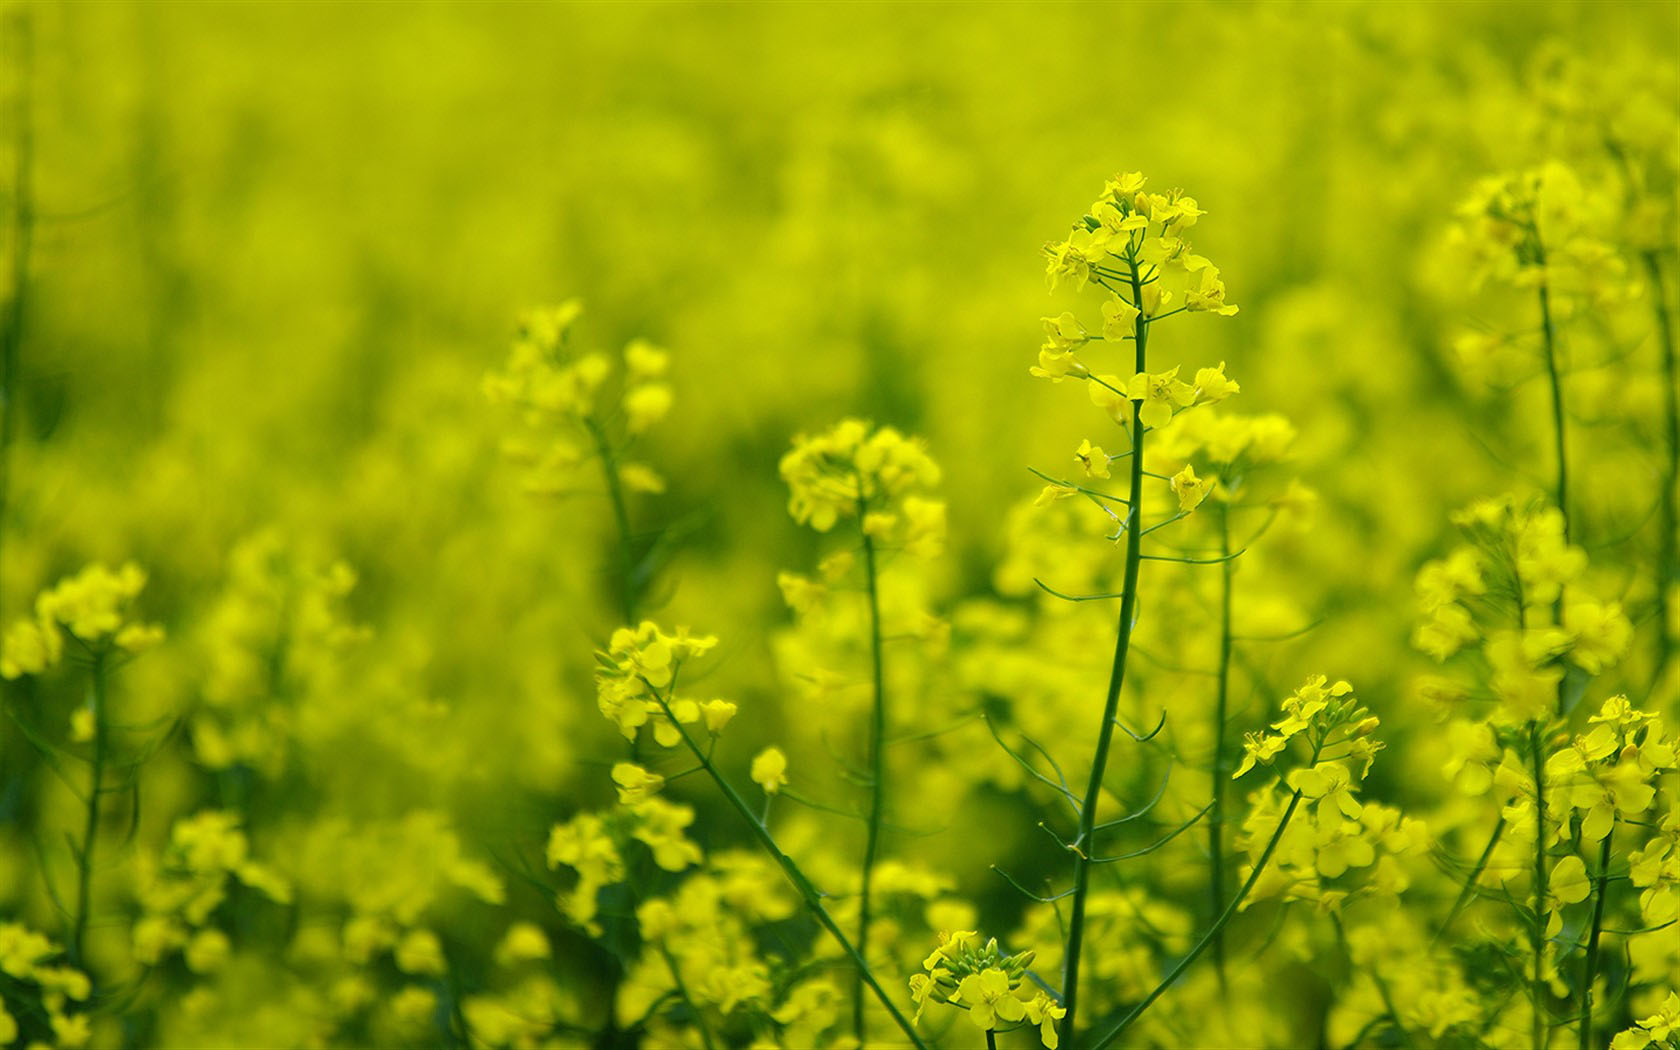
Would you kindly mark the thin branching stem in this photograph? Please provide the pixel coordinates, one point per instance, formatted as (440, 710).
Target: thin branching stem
(1589, 966)
(1216, 819)
(1469, 889)
(1559, 450)
(687, 1000)
(1540, 1031)
(1111, 704)
(877, 767)
(621, 516)
(808, 893)
(1108, 1037)
(1668, 555)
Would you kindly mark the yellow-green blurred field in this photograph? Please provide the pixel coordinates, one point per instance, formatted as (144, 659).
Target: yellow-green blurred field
(262, 268)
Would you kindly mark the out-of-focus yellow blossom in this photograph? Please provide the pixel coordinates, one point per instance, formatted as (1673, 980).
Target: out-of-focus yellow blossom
(769, 770)
(852, 470)
(634, 782)
(93, 606)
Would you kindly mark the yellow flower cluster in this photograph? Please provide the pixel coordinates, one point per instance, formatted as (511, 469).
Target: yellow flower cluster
(42, 987)
(639, 665)
(986, 982)
(573, 407)
(875, 475)
(1501, 594)
(93, 606)
(179, 896)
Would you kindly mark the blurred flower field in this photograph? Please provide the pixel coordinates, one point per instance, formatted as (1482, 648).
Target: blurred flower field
(840, 525)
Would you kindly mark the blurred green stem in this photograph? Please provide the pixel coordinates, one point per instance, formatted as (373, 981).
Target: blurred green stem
(1114, 1033)
(1668, 557)
(1216, 817)
(688, 1000)
(621, 515)
(807, 892)
(1469, 889)
(877, 763)
(1541, 1031)
(1559, 443)
(90, 826)
(1559, 450)
(1589, 968)
(1111, 704)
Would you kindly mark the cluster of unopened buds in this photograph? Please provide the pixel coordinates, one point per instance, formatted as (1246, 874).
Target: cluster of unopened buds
(993, 987)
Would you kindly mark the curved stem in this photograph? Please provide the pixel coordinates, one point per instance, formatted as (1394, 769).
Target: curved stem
(877, 770)
(611, 1035)
(808, 893)
(1559, 445)
(688, 1000)
(1184, 964)
(1111, 704)
(1589, 969)
(621, 515)
(1668, 557)
(1216, 817)
(1469, 889)
(991, 1040)
(1540, 1030)
(1559, 451)
(90, 826)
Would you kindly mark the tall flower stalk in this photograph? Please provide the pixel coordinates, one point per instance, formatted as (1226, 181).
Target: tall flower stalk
(1131, 245)
(877, 767)
(875, 478)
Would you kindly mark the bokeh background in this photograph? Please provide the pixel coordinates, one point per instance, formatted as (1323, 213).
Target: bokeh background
(276, 248)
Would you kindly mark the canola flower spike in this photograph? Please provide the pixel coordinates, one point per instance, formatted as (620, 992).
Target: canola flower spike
(92, 606)
(576, 410)
(856, 469)
(878, 478)
(1133, 245)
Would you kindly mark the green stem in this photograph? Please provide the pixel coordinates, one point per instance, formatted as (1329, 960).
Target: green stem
(621, 515)
(1216, 816)
(1392, 1014)
(808, 893)
(1184, 964)
(688, 1000)
(1559, 451)
(991, 1040)
(1589, 969)
(90, 826)
(1668, 558)
(611, 1036)
(877, 769)
(23, 226)
(459, 1032)
(1111, 704)
(1540, 1030)
(1470, 883)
